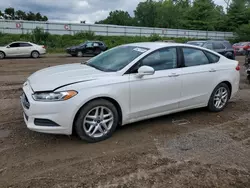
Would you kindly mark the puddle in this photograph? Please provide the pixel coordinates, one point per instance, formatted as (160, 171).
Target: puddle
(4, 133)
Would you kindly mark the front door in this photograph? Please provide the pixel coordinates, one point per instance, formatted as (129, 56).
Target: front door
(25, 49)
(89, 48)
(12, 49)
(159, 93)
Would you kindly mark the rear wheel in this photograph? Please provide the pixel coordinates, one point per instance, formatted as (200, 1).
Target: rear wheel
(219, 98)
(35, 54)
(2, 55)
(96, 121)
(98, 51)
(79, 54)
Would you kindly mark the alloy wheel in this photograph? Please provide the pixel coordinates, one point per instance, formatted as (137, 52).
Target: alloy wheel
(1, 55)
(220, 97)
(98, 121)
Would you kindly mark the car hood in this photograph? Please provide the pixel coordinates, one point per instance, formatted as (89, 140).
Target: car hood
(49, 79)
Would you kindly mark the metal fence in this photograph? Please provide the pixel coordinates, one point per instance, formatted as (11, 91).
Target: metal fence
(19, 27)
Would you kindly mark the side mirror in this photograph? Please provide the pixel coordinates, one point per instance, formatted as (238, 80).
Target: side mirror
(145, 70)
(8, 46)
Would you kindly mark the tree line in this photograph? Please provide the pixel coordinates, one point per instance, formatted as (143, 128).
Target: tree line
(12, 14)
(184, 14)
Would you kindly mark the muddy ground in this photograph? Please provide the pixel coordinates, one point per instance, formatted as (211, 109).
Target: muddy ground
(190, 149)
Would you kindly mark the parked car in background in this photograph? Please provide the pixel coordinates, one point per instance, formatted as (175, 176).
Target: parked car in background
(241, 48)
(22, 49)
(87, 48)
(222, 47)
(127, 84)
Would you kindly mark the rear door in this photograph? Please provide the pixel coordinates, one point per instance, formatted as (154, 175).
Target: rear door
(25, 49)
(199, 77)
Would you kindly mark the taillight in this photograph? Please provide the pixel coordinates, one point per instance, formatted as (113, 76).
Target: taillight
(237, 67)
(43, 46)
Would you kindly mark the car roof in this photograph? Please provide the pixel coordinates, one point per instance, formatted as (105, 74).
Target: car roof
(157, 45)
(21, 41)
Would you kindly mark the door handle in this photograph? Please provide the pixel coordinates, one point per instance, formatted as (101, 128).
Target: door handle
(173, 75)
(212, 70)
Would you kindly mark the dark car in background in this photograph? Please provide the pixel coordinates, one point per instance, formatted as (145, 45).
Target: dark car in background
(88, 48)
(222, 47)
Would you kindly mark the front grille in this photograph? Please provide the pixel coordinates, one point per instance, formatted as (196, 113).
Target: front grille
(45, 122)
(25, 101)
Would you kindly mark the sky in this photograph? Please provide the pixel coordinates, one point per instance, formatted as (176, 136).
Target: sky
(75, 10)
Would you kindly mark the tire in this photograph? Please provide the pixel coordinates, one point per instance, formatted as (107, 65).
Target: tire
(2, 55)
(79, 54)
(83, 123)
(35, 54)
(98, 51)
(221, 93)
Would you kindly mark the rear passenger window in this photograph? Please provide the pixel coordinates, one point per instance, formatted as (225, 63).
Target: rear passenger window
(218, 46)
(194, 57)
(212, 57)
(25, 45)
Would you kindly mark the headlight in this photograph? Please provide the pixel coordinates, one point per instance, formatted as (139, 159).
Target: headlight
(54, 96)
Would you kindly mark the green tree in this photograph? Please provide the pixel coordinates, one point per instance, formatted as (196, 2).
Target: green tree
(9, 13)
(243, 32)
(20, 15)
(145, 13)
(118, 17)
(238, 14)
(31, 16)
(202, 15)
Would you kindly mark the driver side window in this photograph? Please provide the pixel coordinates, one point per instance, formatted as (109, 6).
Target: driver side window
(14, 45)
(162, 59)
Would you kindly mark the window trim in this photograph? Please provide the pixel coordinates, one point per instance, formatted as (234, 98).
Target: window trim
(210, 60)
(139, 61)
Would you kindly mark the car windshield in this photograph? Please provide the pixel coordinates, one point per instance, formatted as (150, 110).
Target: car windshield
(196, 43)
(116, 59)
(82, 44)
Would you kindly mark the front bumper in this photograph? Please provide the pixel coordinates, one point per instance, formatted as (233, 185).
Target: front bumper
(57, 117)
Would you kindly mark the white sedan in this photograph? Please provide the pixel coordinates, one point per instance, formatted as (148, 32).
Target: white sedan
(126, 84)
(22, 49)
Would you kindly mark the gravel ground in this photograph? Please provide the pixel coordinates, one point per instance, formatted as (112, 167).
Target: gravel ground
(190, 149)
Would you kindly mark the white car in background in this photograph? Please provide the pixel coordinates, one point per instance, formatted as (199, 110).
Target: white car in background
(22, 49)
(126, 84)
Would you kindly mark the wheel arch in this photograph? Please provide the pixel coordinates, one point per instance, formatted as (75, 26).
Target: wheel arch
(229, 86)
(34, 51)
(110, 99)
(3, 53)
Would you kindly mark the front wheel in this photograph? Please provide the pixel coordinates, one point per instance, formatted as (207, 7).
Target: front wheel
(2, 55)
(219, 98)
(96, 121)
